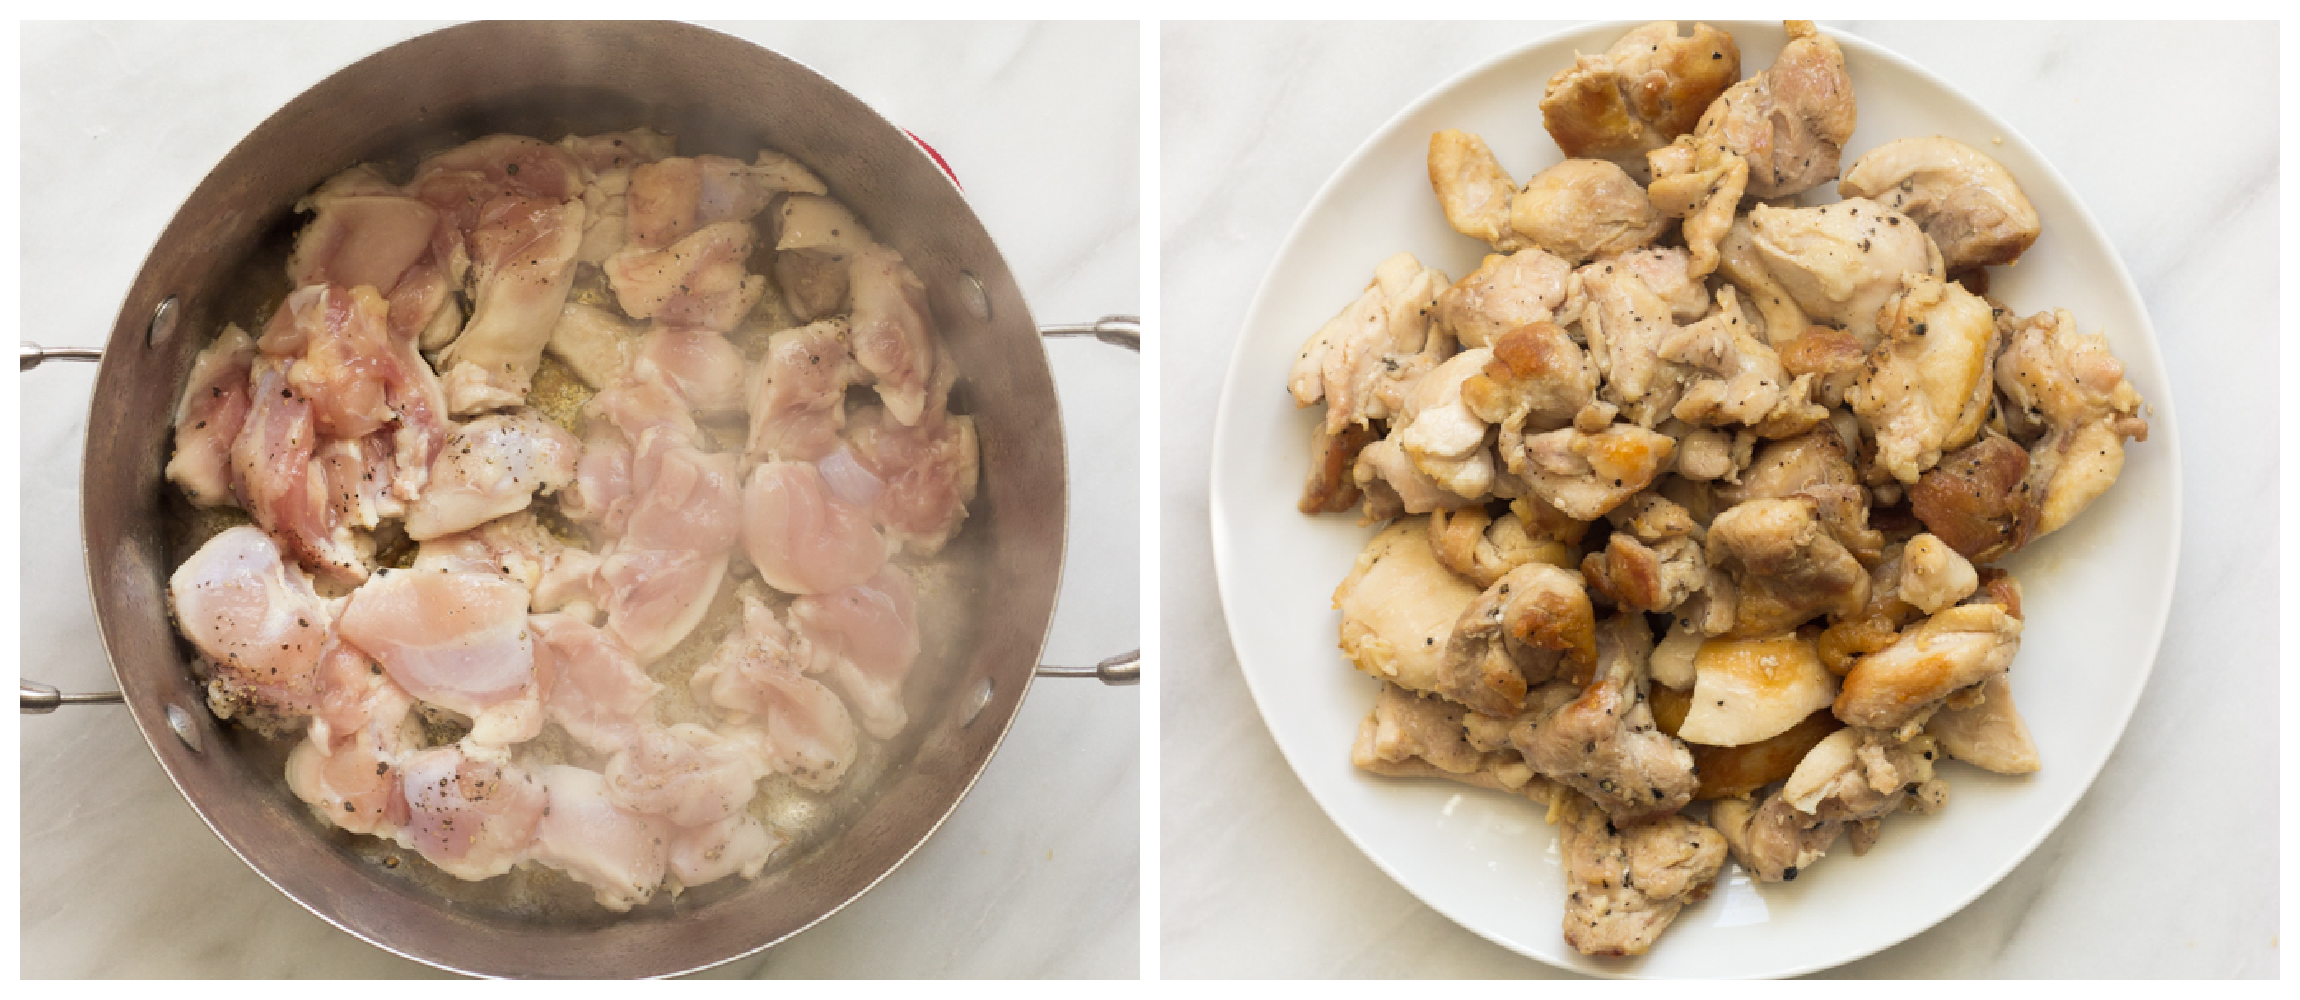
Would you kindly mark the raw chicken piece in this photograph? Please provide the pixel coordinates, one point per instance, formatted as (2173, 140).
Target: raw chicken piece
(1974, 499)
(1399, 607)
(802, 538)
(256, 620)
(461, 181)
(473, 817)
(1785, 566)
(283, 488)
(2070, 382)
(1649, 88)
(358, 474)
(1842, 262)
(359, 375)
(1990, 735)
(686, 774)
(493, 466)
(1473, 188)
(1927, 389)
(1603, 743)
(706, 369)
(1504, 293)
(698, 281)
(926, 475)
(864, 638)
(619, 853)
(1968, 203)
(208, 419)
(1905, 682)
(595, 343)
(1524, 629)
(611, 151)
(797, 397)
(755, 675)
(523, 263)
(593, 687)
(676, 196)
(737, 845)
(645, 402)
(456, 640)
(686, 499)
(1353, 360)
(654, 597)
(601, 493)
(1586, 475)
(369, 239)
(347, 775)
(1580, 209)
(1625, 885)
(516, 546)
(892, 331)
(607, 161)
(816, 240)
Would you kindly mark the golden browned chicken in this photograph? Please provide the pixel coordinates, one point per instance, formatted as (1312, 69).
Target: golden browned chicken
(1473, 188)
(1927, 387)
(1646, 90)
(1968, 203)
(1580, 209)
(1785, 565)
(1603, 744)
(2070, 382)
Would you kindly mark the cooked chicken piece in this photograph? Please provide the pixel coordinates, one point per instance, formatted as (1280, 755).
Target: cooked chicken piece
(864, 639)
(1399, 607)
(1777, 310)
(1521, 631)
(798, 393)
(1974, 499)
(1668, 272)
(1730, 772)
(1835, 358)
(1785, 566)
(1879, 623)
(1348, 361)
(1789, 465)
(1422, 726)
(1990, 735)
(1789, 122)
(1627, 324)
(1504, 293)
(1751, 690)
(1581, 209)
(1968, 203)
(1844, 511)
(593, 685)
(1586, 475)
(756, 675)
(699, 281)
(1538, 379)
(472, 817)
(1392, 484)
(1927, 388)
(522, 266)
(583, 833)
(1934, 576)
(1841, 262)
(1863, 774)
(1640, 576)
(1485, 549)
(1438, 431)
(2077, 388)
(803, 538)
(1332, 487)
(1604, 744)
(1649, 88)
(1701, 183)
(1771, 839)
(1905, 682)
(1625, 885)
(1473, 188)
(456, 640)
(1499, 770)
(1747, 386)
(686, 774)
(1707, 455)
(208, 418)
(493, 466)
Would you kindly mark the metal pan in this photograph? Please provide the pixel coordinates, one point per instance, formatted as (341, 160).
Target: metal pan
(719, 94)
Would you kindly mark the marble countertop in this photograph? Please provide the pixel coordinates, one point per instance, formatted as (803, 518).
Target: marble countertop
(2164, 869)
(1036, 872)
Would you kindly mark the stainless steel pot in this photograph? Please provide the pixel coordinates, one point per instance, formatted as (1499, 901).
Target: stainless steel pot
(718, 94)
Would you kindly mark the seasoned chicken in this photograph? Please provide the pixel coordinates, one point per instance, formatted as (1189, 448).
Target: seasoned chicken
(1968, 203)
(803, 537)
(1537, 380)
(864, 639)
(1647, 576)
(1504, 293)
(1332, 485)
(1423, 736)
(1785, 566)
(1399, 607)
(1708, 455)
(1990, 734)
(1603, 744)
(596, 344)
(698, 281)
(1354, 360)
(797, 398)
(1835, 358)
(1701, 183)
(1777, 311)
(493, 466)
(815, 240)
(891, 332)
(1649, 88)
(617, 852)
(1668, 273)
(1733, 772)
(2070, 382)
(1751, 690)
(1927, 387)
(456, 640)
(1625, 885)
(1580, 209)
(1747, 384)
(594, 688)
(1473, 188)
(925, 475)
(1392, 484)
(472, 817)
(259, 627)
(522, 267)
(1974, 499)
(1903, 683)
(1788, 465)
(1934, 576)
(1789, 122)
(1440, 432)
(1853, 776)
(1770, 838)
(687, 774)
(755, 675)
(208, 417)
(1586, 475)
(1627, 323)
(1841, 262)
(1521, 631)
(1485, 548)
(672, 197)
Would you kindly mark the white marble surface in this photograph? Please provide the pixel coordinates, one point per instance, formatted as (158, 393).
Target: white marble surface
(1036, 872)
(2165, 869)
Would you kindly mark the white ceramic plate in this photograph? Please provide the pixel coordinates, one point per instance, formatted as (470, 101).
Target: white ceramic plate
(2097, 592)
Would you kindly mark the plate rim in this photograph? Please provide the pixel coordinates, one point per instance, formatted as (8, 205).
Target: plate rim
(2161, 413)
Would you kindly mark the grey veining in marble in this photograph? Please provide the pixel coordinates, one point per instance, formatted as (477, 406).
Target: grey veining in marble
(1035, 874)
(2166, 868)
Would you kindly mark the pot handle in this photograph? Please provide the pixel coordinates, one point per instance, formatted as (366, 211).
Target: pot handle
(38, 698)
(1117, 331)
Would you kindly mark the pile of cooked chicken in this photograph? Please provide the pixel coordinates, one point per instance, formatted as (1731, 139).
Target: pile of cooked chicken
(1691, 492)
(521, 423)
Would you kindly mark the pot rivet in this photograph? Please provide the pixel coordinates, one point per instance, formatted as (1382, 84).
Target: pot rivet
(979, 700)
(180, 721)
(977, 300)
(163, 323)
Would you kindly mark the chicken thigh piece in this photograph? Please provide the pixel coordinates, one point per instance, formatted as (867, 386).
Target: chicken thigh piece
(593, 686)
(1532, 624)
(2070, 382)
(1583, 209)
(208, 418)
(490, 467)
(1973, 500)
(816, 240)
(687, 774)
(1903, 683)
(698, 281)
(893, 331)
(737, 845)
(1989, 735)
(1625, 885)
(1650, 87)
(1927, 389)
(607, 160)
(1586, 475)
(925, 475)
(1504, 293)
(256, 621)
(1777, 311)
(1399, 606)
(472, 817)
(1353, 362)
(1473, 188)
(797, 393)
(802, 537)
(707, 369)
(522, 265)
(1604, 744)
(1536, 381)
(1484, 549)
(1968, 203)
(280, 484)
(1746, 383)
(756, 676)
(864, 638)
(672, 197)
(1785, 566)
(619, 853)
(1841, 262)
(1441, 433)
(1627, 322)
(456, 640)
(1791, 121)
